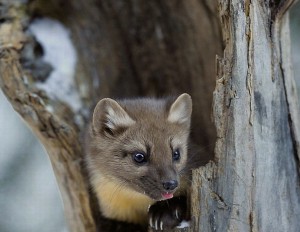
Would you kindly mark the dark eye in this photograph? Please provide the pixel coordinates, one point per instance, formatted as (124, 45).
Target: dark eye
(176, 155)
(139, 157)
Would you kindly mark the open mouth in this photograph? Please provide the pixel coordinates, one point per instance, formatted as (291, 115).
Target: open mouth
(167, 195)
(160, 196)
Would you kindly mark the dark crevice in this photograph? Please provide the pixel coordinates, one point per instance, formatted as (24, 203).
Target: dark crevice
(251, 222)
(275, 6)
(211, 14)
(126, 45)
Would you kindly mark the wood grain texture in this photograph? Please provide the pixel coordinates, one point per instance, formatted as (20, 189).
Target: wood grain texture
(253, 185)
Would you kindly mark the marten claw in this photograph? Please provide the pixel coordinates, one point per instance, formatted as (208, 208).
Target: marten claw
(167, 214)
(176, 213)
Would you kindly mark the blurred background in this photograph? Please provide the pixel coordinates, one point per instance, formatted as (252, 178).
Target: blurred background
(29, 197)
(295, 41)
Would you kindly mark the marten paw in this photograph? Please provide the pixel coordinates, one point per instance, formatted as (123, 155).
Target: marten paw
(167, 214)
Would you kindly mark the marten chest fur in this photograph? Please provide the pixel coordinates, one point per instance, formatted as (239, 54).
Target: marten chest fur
(121, 203)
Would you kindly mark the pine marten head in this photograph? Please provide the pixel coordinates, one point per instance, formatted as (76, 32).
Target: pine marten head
(141, 144)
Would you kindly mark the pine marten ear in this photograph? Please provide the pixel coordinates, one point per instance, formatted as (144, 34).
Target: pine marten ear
(181, 110)
(109, 117)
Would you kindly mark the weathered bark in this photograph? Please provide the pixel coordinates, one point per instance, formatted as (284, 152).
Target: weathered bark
(156, 48)
(56, 130)
(253, 185)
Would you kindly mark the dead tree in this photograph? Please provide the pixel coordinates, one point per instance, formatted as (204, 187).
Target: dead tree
(156, 48)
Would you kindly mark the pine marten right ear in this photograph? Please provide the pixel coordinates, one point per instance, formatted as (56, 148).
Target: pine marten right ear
(109, 118)
(181, 110)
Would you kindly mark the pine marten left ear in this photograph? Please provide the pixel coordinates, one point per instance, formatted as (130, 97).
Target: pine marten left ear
(181, 110)
(109, 117)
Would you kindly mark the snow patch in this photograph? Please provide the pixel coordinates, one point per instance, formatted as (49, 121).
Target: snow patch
(60, 52)
(183, 224)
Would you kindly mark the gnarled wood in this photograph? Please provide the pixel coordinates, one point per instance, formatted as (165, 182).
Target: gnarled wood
(56, 130)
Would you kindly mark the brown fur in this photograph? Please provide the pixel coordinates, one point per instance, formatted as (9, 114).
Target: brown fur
(125, 189)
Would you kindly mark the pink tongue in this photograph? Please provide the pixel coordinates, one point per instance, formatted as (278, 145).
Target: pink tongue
(167, 195)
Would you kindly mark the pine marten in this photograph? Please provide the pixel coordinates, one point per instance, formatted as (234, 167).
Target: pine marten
(136, 153)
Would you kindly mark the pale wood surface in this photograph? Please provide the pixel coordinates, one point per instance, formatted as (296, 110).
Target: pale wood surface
(253, 185)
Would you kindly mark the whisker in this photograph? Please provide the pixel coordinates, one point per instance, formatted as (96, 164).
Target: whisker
(186, 178)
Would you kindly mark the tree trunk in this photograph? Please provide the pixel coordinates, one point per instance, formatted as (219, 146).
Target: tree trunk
(253, 185)
(157, 48)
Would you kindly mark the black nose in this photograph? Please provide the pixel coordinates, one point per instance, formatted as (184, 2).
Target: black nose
(170, 185)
